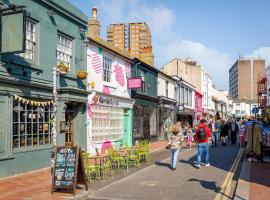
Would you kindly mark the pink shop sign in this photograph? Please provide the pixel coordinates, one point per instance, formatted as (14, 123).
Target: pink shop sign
(134, 83)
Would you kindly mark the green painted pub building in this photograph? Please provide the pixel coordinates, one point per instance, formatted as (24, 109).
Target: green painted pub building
(55, 33)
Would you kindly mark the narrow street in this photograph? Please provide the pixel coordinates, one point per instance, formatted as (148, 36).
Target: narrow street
(157, 181)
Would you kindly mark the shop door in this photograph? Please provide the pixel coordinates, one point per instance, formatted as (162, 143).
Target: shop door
(69, 141)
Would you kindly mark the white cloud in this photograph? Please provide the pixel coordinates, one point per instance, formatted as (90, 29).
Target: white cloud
(167, 43)
(262, 52)
(215, 62)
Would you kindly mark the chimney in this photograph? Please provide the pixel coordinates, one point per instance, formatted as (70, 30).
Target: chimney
(94, 25)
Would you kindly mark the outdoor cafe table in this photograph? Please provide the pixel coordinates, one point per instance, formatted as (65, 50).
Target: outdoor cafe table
(123, 153)
(101, 159)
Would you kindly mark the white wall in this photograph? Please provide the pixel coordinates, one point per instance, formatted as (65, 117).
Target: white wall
(162, 86)
(206, 89)
(117, 88)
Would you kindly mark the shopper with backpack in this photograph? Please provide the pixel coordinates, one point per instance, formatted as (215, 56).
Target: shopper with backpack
(202, 135)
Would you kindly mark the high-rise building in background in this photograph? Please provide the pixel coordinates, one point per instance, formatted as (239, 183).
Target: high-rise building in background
(243, 79)
(133, 37)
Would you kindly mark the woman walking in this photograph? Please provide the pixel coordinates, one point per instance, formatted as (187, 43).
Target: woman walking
(175, 140)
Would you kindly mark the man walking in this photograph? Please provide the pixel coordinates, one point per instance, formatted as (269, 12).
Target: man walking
(202, 135)
(234, 129)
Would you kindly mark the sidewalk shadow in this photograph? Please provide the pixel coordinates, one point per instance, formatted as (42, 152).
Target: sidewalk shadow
(210, 185)
(163, 164)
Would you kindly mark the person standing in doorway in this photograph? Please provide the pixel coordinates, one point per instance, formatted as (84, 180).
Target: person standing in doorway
(175, 140)
(202, 135)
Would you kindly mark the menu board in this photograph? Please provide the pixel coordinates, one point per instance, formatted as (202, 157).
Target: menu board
(68, 168)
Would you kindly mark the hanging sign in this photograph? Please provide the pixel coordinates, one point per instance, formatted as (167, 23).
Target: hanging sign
(12, 32)
(134, 83)
(68, 169)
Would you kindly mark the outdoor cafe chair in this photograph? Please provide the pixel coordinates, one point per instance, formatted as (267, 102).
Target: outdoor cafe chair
(91, 168)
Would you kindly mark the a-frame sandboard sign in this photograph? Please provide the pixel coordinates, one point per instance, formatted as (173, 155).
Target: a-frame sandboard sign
(68, 169)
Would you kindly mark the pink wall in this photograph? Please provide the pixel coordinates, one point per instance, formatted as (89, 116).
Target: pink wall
(198, 107)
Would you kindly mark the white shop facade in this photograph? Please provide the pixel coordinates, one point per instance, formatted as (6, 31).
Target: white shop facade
(109, 107)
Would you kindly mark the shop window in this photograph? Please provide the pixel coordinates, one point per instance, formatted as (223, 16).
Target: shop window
(196, 102)
(186, 96)
(108, 123)
(167, 88)
(107, 69)
(64, 50)
(30, 42)
(31, 124)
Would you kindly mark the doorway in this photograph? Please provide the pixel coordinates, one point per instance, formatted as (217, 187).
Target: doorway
(69, 134)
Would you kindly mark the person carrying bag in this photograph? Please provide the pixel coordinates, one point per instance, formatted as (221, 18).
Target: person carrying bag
(175, 138)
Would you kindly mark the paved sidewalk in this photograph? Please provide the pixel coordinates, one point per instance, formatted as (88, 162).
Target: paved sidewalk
(37, 184)
(254, 181)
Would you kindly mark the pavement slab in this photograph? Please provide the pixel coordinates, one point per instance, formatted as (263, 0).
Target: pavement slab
(158, 182)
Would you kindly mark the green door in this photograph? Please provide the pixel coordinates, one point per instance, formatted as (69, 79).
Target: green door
(128, 127)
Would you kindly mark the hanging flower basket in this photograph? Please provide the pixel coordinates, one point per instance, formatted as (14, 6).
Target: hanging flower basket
(82, 75)
(62, 67)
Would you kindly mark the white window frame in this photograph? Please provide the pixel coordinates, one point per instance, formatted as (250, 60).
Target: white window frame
(30, 41)
(107, 68)
(64, 50)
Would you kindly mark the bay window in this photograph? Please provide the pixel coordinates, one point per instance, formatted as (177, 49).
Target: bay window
(31, 124)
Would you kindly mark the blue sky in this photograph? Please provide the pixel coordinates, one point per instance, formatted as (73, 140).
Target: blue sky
(212, 32)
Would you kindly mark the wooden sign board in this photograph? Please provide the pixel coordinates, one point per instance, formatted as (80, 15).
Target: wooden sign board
(68, 169)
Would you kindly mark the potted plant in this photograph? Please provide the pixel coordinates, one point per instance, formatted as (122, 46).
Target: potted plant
(62, 68)
(82, 75)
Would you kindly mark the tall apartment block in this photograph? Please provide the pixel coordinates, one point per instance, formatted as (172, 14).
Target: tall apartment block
(133, 37)
(243, 79)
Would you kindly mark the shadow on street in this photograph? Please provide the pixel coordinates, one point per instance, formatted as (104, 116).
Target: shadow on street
(163, 164)
(210, 185)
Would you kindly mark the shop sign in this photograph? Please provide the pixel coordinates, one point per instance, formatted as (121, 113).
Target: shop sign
(134, 83)
(12, 32)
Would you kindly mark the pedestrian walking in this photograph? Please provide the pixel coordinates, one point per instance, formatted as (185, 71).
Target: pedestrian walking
(224, 132)
(215, 132)
(202, 135)
(175, 140)
(234, 130)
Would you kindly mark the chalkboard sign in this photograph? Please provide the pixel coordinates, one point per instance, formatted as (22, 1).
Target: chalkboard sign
(68, 169)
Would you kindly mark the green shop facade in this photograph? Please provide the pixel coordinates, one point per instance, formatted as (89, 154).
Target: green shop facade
(145, 109)
(55, 33)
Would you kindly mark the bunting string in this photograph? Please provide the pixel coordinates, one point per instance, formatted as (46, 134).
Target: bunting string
(32, 102)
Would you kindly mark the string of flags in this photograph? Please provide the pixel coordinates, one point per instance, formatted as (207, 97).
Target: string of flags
(32, 102)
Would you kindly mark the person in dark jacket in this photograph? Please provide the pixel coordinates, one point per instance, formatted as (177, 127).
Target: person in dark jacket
(224, 132)
(234, 130)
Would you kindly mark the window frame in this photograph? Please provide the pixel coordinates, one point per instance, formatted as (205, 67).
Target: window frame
(27, 128)
(107, 72)
(35, 43)
(67, 37)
